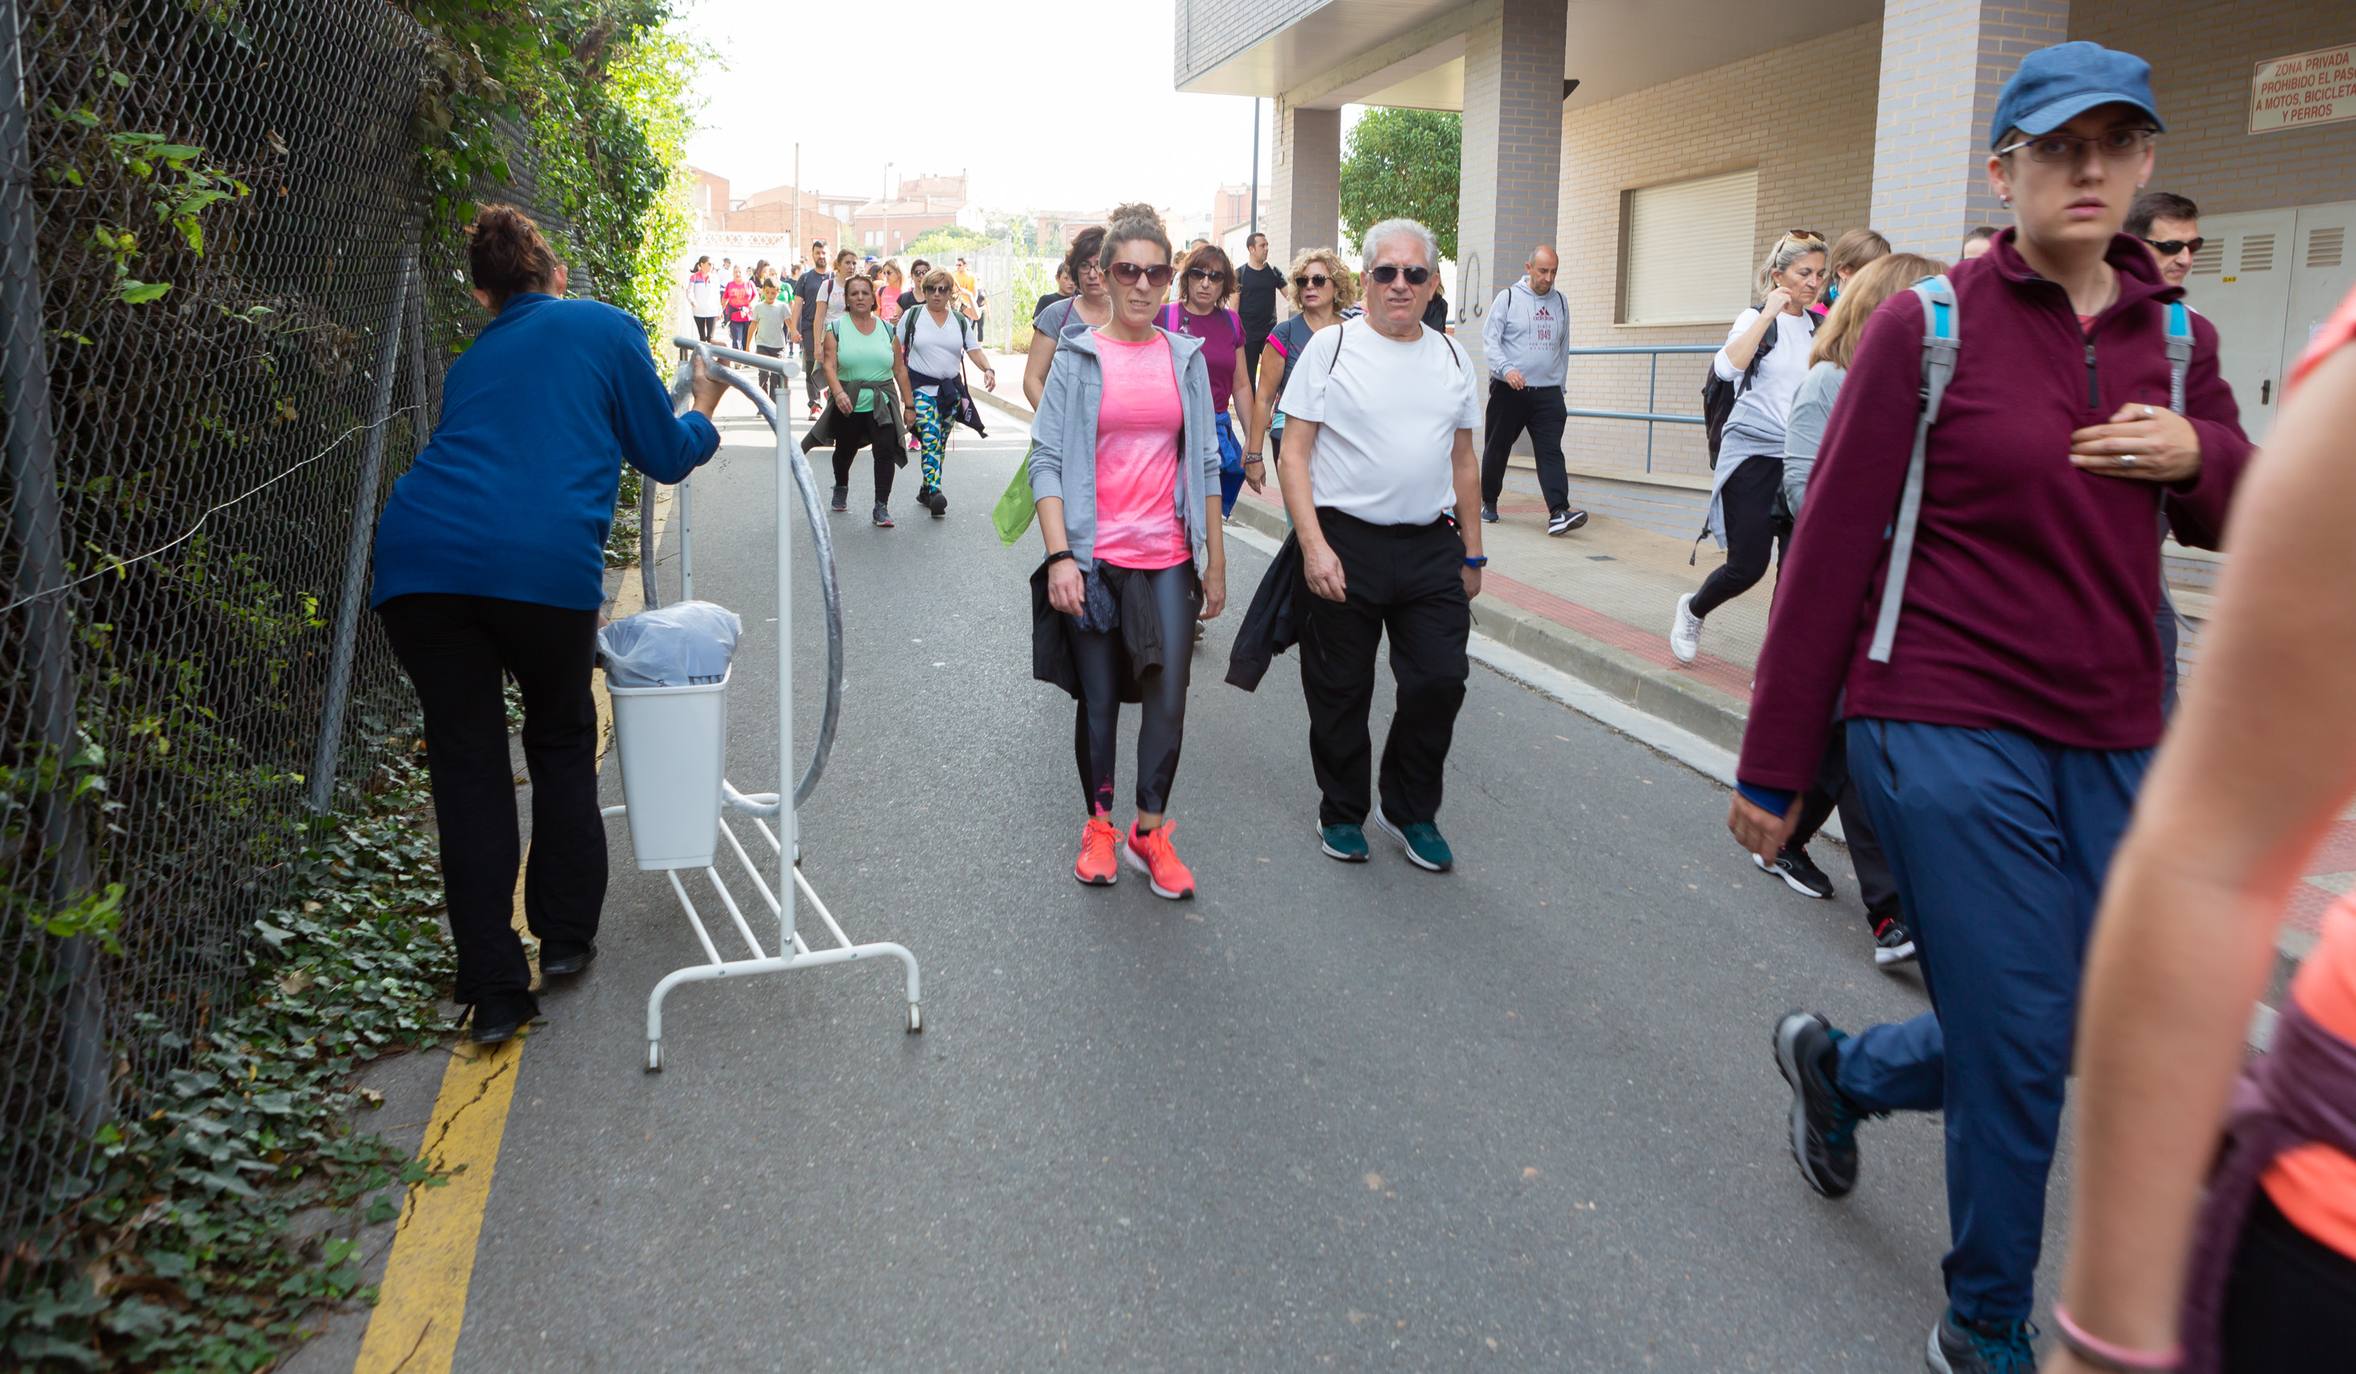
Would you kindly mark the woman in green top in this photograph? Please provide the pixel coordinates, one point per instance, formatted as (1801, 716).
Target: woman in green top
(860, 357)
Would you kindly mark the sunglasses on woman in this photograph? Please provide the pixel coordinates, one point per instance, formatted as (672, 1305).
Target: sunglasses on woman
(1391, 272)
(1204, 274)
(1320, 281)
(936, 291)
(1130, 273)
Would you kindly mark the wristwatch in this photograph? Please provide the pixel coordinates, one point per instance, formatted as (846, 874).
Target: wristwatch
(1476, 560)
(1251, 459)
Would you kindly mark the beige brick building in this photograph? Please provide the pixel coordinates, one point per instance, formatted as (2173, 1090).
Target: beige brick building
(1697, 135)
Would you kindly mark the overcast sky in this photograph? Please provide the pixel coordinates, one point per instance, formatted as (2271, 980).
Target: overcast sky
(1048, 104)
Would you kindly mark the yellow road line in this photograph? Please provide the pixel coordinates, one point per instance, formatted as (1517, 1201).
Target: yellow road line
(421, 1301)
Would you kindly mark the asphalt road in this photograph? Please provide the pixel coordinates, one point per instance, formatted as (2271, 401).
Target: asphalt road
(1522, 1116)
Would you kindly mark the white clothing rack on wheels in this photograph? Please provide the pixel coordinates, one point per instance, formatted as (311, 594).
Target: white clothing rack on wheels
(792, 951)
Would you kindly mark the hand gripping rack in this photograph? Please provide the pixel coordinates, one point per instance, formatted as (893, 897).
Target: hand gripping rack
(792, 952)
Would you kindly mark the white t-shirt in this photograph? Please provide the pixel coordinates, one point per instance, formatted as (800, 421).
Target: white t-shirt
(1390, 411)
(933, 348)
(1765, 406)
(703, 297)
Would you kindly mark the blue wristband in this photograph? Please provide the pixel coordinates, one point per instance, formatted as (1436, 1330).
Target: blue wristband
(1478, 560)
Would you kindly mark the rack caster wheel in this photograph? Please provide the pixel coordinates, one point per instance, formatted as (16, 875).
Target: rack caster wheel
(654, 1056)
(915, 1019)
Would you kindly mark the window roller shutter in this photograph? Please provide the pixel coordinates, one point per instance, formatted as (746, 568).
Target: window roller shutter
(1689, 256)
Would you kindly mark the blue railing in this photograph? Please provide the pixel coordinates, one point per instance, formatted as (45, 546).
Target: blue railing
(1649, 415)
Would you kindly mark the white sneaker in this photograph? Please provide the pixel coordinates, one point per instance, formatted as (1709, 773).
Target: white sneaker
(1685, 631)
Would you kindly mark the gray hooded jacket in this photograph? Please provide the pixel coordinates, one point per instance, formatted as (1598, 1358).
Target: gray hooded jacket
(1063, 438)
(1510, 336)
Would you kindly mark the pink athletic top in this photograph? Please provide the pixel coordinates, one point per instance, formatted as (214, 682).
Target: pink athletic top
(1137, 427)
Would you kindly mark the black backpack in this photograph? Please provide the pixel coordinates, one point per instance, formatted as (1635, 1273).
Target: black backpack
(1719, 395)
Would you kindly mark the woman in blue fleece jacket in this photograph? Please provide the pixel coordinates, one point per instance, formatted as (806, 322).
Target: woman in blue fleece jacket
(490, 563)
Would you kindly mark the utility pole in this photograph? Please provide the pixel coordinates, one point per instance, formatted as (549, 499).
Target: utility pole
(1255, 167)
(794, 235)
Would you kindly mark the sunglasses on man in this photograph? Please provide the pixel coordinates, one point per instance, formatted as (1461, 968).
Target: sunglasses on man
(2168, 248)
(1391, 272)
(1130, 273)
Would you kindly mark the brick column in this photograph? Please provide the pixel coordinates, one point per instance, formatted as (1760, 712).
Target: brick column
(1943, 63)
(1512, 169)
(1305, 199)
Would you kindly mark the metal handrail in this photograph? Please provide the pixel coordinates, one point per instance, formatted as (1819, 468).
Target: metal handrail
(1650, 415)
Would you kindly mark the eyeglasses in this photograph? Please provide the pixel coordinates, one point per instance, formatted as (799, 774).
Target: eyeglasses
(1320, 281)
(1390, 272)
(2168, 248)
(2115, 145)
(1130, 273)
(1097, 268)
(1204, 274)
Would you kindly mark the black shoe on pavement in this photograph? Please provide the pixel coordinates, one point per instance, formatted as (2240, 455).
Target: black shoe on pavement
(1893, 943)
(1799, 872)
(1824, 1123)
(883, 516)
(842, 499)
(567, 962)
(934, 500)
(495, 1022)
(1489, 512)
(1961, 1347)
(1565, 520)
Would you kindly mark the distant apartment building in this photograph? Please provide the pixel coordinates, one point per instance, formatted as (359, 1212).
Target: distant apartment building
(919, 205)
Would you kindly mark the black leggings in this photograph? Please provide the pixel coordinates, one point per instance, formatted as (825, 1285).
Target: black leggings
(2291, 1302)
(1102, 660)
(852, 432)
(703, 326)
(456, 649)
(1751, 501)
(1833, 788)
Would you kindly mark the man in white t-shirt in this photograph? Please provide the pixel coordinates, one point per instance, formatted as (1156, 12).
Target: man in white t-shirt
(1379, 420)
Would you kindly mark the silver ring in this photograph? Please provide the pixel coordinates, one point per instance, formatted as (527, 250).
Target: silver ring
(2126, 460)
(2147, 412)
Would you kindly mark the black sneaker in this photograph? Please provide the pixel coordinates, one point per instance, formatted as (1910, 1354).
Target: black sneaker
(842, 499)
(1961, 1347)
(1489, 512)
(1824, 1124)
(1799, 872)
(1565, 520)
(1893, 943)
(934, 500)
(883, 516)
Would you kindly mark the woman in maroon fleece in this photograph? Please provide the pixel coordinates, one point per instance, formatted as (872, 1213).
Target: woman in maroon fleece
(1999, 747)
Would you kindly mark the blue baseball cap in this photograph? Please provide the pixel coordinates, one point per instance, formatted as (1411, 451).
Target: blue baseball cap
(2055, 85)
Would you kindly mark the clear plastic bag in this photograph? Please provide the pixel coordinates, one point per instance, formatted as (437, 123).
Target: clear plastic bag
(685, 645)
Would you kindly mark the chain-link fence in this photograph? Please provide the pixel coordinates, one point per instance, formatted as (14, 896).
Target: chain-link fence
(221, 346)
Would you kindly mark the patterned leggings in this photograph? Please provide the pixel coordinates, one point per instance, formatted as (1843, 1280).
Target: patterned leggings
(932, 434)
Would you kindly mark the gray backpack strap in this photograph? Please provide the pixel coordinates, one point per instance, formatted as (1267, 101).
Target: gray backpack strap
(1940, 340)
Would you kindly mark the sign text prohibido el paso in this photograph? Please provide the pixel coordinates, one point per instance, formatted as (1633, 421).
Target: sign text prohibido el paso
(2304, 89)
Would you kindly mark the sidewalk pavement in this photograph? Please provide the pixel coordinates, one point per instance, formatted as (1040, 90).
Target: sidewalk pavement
(1597, 603)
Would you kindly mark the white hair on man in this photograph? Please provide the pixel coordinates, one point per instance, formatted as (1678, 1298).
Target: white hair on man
(1400, 228)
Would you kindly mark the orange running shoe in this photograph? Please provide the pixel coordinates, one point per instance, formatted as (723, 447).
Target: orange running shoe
(1153, 855)
(1097, 866)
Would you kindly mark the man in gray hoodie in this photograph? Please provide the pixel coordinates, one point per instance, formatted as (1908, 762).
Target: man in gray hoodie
(1527, 338)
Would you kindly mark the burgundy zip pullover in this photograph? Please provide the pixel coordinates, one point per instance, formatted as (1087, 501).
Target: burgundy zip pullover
(2031, 600)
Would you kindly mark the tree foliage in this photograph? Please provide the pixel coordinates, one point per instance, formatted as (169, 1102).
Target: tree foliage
(947, 241)
(1403, 163)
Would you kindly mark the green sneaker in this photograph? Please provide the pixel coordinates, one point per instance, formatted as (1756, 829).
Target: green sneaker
(1344, 842)
(1422, 841)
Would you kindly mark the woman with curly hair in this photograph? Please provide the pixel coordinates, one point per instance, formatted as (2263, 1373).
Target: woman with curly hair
(1323, 294)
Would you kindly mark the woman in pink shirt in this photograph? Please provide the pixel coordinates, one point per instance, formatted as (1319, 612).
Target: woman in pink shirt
(1125, 468)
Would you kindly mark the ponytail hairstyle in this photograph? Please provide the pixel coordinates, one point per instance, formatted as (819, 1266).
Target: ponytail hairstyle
(1135, 222)
(1793, 246)
(1875, 282)
(506, 254)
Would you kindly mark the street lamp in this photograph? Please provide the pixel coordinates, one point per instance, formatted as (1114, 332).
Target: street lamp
(887, 211)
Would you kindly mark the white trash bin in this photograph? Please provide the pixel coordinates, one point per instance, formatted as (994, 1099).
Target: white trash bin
(674, 747)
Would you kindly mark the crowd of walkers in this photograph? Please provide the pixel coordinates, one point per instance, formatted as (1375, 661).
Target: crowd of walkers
(1962, 476)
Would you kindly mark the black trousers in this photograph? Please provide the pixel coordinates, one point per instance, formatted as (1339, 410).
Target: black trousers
(853, 432)
(457, 649)
(1538, 409)
(1834, 790)
(2291, 1302)
(1407, 580)
(1176, 597)
(813, 376)
(768, 378)
(1255, 342)
(1753, 501)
